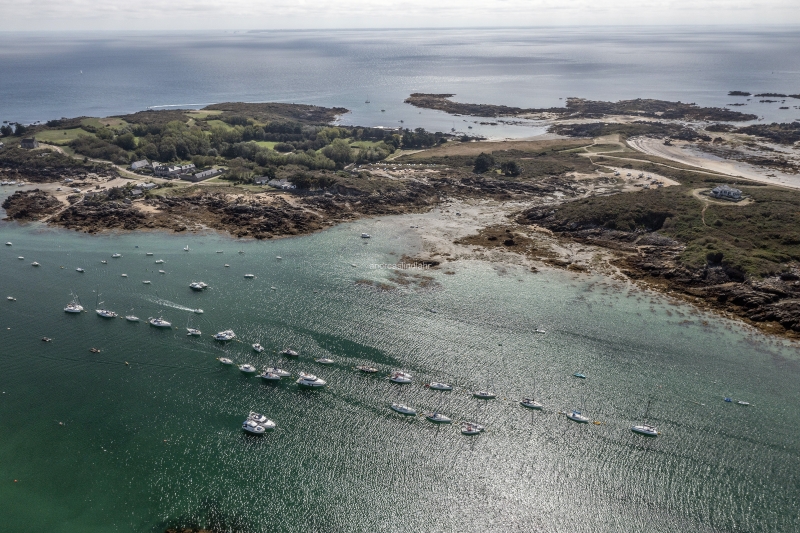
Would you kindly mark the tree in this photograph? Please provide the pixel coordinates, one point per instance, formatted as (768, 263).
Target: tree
(6, 130)
(511, 168)
(483, 163)
(339, 152)
(126, 141)
(20, 129)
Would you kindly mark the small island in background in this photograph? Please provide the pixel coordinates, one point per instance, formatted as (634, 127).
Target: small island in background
(697, 202)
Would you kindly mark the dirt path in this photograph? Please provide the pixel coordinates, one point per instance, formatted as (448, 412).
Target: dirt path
(732, 169)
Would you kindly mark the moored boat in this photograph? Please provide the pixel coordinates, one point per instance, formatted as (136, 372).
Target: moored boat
(403, 409)
(310, 381)
(224, 336)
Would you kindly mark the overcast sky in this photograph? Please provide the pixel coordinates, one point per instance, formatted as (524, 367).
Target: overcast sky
(298, 14)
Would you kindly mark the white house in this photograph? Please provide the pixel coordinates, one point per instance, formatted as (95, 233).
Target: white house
(724, 191)
(139, 164)
(168, 171)
(200, 176)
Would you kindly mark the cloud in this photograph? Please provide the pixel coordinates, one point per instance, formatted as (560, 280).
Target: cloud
(299, 14)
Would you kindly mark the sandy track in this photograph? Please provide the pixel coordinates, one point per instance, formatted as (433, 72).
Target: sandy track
(678, 153)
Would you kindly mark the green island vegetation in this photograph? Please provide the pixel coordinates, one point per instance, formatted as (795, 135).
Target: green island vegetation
(250, 140)
(582, 108)
(758, 237)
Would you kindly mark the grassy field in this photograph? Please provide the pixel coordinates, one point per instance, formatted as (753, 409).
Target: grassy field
(220, 124)
(203, 114)
(113, 122)
(267, 144)
(62, 137)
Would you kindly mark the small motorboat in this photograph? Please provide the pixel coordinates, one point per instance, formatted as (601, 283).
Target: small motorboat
(468, 428)
(403, 409)
(79, 270)
(224, 336)
(132, 318)
(46, 339)
(438, 418)
(192, 332)
(727, 400)
(324, 361)
(198, 286)
(11, 299)
(579, 375)
(247, 368)
(367, 369)
(401, 378)
(124, 275)
(104, 262)
(278, 257)
(149, 253)
(225, 361)
(8, 243)
(241, 251)
(257, 347)
(20, 258)
(645, 429)
(94, 350)
(484, 395)
(273, 288)
(530, 403)
(116, 256)
(253, 427)
(366, 236)
(197, 311)
(159, 261)
(146, 282)
(540, 331)
(161, 272)
(249, 276)
(34, 264)
(310, 380)
(269, 376)
(288, 352)
(278, 372)
(258, 418)
(742, 402)
(576, 416)
(437, 385)
(159, 322)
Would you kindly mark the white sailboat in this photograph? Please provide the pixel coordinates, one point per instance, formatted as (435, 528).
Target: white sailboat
(577, 416)
(74, 306)
(531, 403)
(644, 428)
(102, 312)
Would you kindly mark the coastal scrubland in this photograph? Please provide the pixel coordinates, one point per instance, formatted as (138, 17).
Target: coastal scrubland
(585, 189)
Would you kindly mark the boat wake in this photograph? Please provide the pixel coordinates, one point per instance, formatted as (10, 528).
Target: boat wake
(166, 303)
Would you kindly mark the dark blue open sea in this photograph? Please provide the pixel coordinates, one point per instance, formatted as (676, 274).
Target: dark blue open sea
(45, 76)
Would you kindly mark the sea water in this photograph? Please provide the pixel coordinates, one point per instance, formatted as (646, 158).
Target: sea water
(147, 434)
(50, 75)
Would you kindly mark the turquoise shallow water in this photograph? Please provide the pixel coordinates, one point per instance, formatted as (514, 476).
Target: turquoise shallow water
(158, 442)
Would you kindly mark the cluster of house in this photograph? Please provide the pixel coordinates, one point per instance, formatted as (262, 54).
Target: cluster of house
(184, 172)
(726, 192)
(140, 188)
